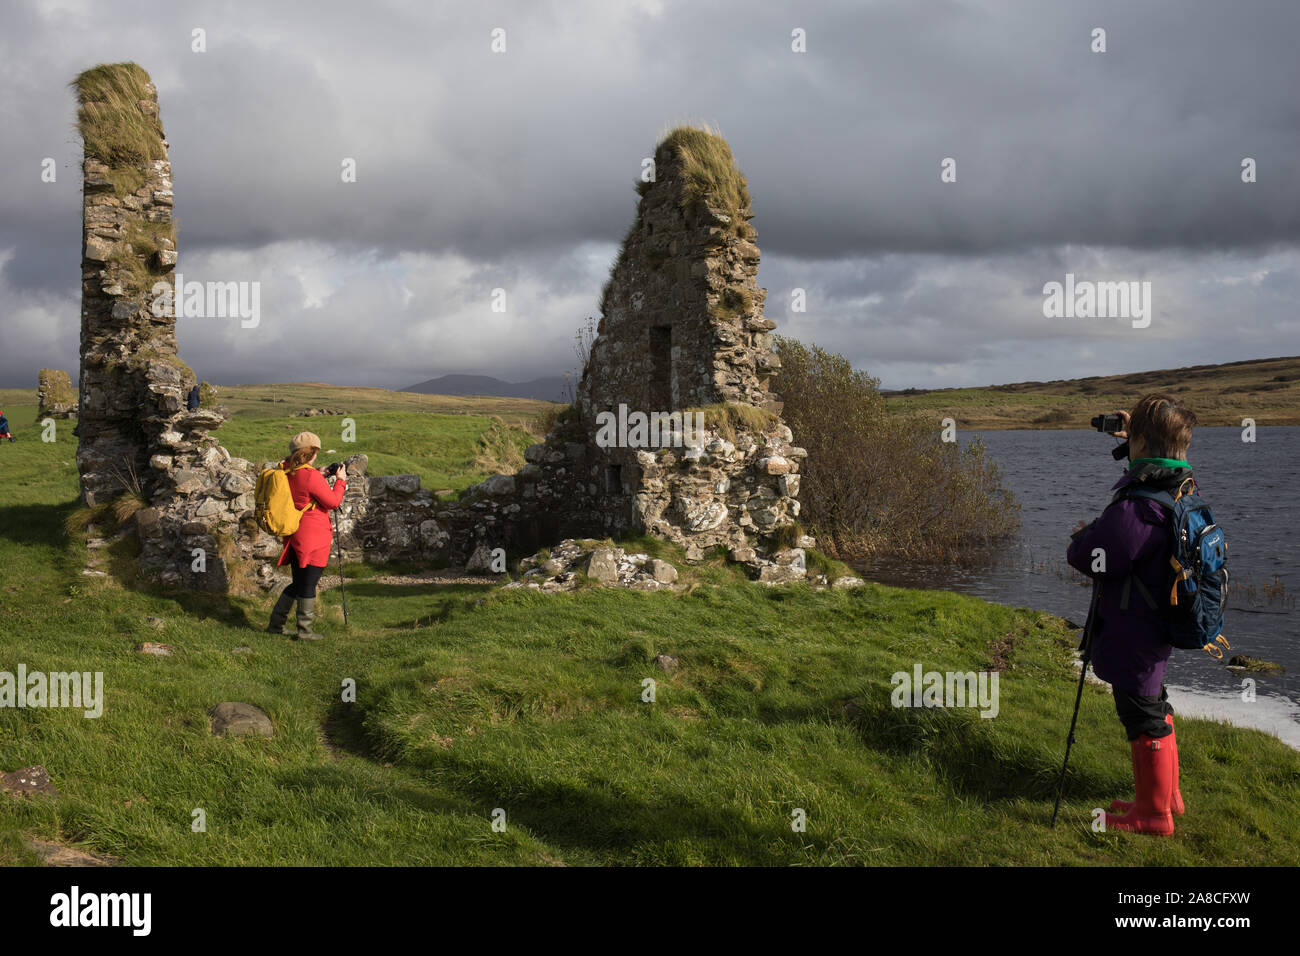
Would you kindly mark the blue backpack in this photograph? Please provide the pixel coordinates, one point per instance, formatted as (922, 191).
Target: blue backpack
(1198, 559)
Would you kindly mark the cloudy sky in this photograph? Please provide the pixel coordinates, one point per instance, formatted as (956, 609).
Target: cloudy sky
(479, 170)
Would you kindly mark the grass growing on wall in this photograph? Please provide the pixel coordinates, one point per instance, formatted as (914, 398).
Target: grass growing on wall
(733, 304)
(731, 418)
(133, 255)
(114, 128)
(708, 170)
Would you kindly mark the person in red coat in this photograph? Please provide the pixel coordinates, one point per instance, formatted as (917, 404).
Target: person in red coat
(307, 550)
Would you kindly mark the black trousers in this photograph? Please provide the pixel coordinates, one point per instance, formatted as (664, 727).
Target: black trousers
(304, 581)
(1143, 715)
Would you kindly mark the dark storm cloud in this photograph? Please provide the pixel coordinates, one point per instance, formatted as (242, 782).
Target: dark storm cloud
(517, 167)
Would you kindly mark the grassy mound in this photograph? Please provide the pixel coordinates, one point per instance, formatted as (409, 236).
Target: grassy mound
(780, 701)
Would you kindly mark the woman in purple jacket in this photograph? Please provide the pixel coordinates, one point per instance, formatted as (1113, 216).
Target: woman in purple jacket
(1126, 552)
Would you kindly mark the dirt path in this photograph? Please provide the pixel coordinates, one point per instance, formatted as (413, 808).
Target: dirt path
(445, 577)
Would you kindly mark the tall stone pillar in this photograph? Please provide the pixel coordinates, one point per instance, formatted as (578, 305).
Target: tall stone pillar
(136, 437)
(131, 374)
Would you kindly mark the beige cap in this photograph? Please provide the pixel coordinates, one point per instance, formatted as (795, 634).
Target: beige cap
(303, 440)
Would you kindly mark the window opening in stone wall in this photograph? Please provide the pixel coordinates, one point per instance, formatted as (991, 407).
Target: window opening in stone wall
(661, 369)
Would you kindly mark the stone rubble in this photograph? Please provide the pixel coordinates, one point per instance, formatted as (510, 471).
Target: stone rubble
(571, 562)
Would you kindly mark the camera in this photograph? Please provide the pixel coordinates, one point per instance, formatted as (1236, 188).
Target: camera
(332, 469)
(1108, 423)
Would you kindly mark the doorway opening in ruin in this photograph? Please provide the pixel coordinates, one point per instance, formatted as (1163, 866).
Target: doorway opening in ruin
(614, 479)
(542, 531)
(661, 368)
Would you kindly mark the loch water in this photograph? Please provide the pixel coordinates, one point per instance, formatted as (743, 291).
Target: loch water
(1060, 477)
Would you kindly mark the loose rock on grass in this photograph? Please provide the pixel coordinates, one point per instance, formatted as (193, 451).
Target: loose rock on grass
(237, 719)
(28, 782)
(158, 650)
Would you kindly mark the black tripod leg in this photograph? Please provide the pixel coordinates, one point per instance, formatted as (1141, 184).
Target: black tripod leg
(1088, 624)
(1069, 740)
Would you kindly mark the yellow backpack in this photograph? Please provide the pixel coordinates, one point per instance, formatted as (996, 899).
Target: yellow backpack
(273, 503)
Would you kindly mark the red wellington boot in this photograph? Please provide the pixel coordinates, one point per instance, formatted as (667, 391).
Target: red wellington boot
(1176, 805)
(1153, 760)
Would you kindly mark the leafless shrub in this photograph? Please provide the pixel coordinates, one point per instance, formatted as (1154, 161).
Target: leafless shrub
(876, 483)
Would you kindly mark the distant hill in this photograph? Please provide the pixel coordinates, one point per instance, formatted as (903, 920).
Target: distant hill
(549, 389)
(1266, 390)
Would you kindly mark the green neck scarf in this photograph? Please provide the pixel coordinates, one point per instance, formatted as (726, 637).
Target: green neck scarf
(1170, 463)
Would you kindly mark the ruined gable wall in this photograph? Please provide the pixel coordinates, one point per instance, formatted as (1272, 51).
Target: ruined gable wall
(682, 316)
(681, 327)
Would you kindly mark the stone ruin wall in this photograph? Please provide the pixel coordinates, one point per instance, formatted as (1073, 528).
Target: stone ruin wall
(55, 396)
(682, 326)
(682, 317)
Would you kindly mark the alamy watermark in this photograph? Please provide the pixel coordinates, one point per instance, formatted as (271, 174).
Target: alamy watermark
(654, 430)
(946, 689)
(127, 910)
(208, 300)
(1098, 300)
(74, 689)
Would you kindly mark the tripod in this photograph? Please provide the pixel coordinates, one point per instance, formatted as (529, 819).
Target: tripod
(1086, 647)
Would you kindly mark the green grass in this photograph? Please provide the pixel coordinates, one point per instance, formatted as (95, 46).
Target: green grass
(444, 450)
(287, 398)
(474, 698)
